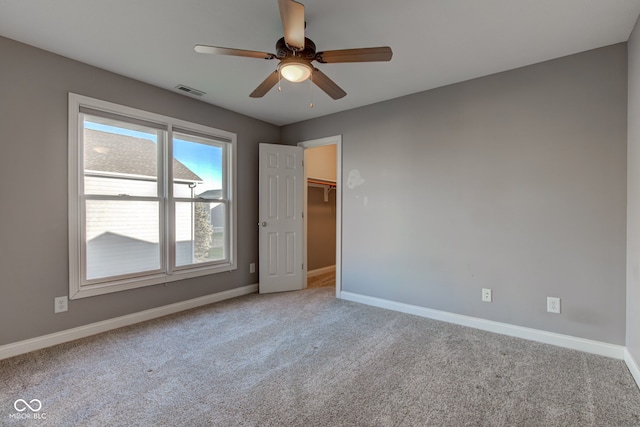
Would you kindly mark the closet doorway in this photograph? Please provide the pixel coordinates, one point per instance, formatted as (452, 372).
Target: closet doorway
(322, 212)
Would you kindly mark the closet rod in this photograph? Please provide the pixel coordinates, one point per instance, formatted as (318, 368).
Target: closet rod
(321, 182)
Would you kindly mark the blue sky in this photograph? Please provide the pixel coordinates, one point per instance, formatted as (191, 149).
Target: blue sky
(197, 157)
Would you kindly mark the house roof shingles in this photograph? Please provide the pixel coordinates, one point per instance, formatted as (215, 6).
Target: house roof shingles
(121, 154)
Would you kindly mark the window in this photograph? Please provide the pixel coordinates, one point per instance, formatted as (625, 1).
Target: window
(151, 198)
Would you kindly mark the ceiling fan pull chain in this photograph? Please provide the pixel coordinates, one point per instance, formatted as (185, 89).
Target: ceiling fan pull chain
(279, 78)
(311, 84)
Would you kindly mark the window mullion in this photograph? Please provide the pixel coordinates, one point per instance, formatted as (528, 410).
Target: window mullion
(225, 177)
(201, 200)
(162, 193)
(170, 232)
(121, 197)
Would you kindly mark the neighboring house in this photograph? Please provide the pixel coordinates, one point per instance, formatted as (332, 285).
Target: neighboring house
(116, 165)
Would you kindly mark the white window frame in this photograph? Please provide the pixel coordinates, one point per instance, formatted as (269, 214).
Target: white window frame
(78, 286)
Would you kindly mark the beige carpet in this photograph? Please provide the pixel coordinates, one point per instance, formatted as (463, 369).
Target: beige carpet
(307, 359)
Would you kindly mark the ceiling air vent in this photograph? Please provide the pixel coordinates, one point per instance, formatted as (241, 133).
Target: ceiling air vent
(190, 90)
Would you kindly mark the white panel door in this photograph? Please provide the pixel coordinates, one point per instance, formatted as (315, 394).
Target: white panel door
(281, 224)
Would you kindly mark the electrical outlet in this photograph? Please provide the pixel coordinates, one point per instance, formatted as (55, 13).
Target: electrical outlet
(60, 304)
(553, 305)
(252, 267)
(486, 295)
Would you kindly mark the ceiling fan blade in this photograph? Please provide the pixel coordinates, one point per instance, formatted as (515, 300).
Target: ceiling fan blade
(292, 17)
(266, 85)
(233, 52)
(367, 54)
(326, 84)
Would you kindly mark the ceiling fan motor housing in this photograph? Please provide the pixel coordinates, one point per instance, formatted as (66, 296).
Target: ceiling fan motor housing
(284, 51)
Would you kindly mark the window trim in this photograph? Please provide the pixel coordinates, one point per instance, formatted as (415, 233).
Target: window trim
(77, 287)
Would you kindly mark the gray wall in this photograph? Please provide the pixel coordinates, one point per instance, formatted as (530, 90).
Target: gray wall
(633, 198)
(321, 229)
(515, 182)
(33, 190)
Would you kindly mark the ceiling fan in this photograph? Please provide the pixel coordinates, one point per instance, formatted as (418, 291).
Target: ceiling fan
(296, 52)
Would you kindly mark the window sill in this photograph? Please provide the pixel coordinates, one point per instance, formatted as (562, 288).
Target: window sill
(158, 279)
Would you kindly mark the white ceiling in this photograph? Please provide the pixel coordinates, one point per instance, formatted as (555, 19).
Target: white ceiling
(435, 42)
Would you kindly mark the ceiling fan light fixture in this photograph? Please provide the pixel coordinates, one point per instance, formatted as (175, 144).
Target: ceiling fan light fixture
(295, 70)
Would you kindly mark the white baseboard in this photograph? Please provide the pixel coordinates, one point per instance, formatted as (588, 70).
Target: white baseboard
(566, 341)
(21, 347)
(322, 270)
(633, 366)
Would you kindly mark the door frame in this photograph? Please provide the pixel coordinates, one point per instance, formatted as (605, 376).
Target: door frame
(337, 141)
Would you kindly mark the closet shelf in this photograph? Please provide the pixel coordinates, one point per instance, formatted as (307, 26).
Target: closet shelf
(322, 182)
